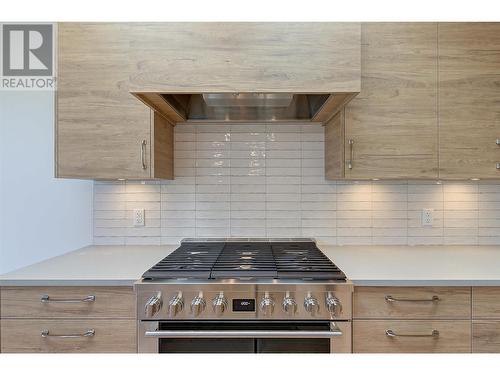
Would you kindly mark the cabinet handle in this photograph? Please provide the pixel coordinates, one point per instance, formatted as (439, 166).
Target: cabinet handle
(392, 299)
(351, 153)
(498, 166)
(498, 142)
(391, 333)
(88, 333)
(46, 299)
(143, 154)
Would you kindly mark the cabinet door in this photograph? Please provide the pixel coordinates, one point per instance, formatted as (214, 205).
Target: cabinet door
(102, 131)
(245, 57)
(411, 336)
(469, 97)
(393, 121)
(486, 336)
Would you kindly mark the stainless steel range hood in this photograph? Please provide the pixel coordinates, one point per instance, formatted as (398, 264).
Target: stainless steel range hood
(246, 107)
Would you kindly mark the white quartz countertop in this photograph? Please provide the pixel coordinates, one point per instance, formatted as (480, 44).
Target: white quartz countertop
(418, 265)
(363, 265)
(91, 265)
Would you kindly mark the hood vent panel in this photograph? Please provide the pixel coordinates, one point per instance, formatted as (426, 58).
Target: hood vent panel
(245, 107)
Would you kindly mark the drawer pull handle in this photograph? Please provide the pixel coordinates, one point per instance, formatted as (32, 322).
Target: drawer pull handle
(46, 299)
(392, 299)
(391, 333)
(88, 333)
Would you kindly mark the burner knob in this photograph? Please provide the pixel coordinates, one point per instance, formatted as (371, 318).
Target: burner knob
(175, 305)
(198, 305)
(289, 305)
(219, 304)
(311, 305)
(153, 305)
(333, 305)
(267, 305)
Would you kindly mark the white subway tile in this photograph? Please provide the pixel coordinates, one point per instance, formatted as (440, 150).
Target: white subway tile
(258, 180)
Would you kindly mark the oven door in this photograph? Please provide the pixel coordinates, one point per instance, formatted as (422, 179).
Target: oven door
(244, 337)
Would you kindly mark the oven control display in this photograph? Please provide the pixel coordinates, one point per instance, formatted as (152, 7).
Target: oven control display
(243, 305)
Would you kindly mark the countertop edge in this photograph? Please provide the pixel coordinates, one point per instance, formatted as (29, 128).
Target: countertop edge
(67, 282)
(356, 283)
(423, 283)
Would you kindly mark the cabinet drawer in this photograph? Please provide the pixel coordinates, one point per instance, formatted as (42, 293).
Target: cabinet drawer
(370, 336)
(68, 302)
(486, 302)
(486, 336)
(110, 336)
(411, 302)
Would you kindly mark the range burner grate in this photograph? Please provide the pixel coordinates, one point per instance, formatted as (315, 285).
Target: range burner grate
(246, 260)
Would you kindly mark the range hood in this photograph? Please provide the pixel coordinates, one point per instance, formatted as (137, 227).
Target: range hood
(245, 106)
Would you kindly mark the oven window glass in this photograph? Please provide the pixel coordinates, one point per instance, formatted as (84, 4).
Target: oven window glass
(244, 345)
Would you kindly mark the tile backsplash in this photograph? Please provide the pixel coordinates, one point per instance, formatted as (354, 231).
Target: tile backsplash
(268, 181)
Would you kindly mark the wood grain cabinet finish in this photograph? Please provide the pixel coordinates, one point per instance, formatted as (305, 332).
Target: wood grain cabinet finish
(245, 57)
(26, 302)
(102, 131)
(411, 303)
(469, 97)
(393, 122)
(370, 336)
(486, 336)
(110, 336)
(486, 303)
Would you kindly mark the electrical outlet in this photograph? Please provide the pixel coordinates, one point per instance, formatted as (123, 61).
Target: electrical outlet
(427, 217)
(138, 217)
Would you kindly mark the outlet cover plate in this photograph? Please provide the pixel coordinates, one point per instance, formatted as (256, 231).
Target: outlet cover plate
(427, 217)
(138, 218)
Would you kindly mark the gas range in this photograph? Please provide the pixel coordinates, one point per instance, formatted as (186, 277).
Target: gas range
(225, 282)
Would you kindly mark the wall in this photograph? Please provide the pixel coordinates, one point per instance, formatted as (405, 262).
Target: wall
(268, 181)
(40, 216)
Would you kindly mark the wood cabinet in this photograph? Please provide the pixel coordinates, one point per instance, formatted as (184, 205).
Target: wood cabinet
(44, 302)
(412, 319)
(412, 303)
(411, 336)
(486, 319)
(469, 97)
(486, 336)
(41, 336)
(391, 127)
(245, 57)
(102, 131)
(428, 106)
(486, 303)
(90, 319)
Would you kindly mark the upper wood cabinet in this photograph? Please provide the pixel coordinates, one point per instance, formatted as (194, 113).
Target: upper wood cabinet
(391, 128)
(102, 131)
(245, 57)
(469, 100)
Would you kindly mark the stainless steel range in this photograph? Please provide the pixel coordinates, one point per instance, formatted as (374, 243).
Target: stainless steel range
(239, 295)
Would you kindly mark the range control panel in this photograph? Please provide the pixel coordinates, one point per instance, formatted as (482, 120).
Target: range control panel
(156, 301)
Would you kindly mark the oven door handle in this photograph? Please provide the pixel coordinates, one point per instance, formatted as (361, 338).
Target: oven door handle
(333, 332)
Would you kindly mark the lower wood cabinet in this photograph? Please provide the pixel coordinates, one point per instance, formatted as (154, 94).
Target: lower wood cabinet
(68, 320)
(68, 336)
(411, 336)
(397, 302)
(486, 336)
(486, 303)
(392, 319)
